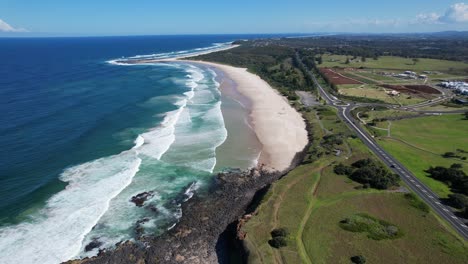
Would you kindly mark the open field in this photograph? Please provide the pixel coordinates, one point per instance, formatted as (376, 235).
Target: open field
(376, 92)
(384, 114)
(398, 63)
(337, 78)
(311, 201)
(418, 143)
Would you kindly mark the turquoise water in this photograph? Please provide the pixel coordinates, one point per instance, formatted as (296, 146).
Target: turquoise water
(81, 136)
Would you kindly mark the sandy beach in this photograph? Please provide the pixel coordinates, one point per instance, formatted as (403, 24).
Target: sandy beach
(280, 128)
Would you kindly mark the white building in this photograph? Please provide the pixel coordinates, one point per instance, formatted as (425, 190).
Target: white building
(457, 86)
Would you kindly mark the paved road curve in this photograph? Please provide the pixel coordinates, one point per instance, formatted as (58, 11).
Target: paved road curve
(344, 112)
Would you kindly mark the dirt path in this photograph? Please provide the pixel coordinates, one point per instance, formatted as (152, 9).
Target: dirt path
(276, 207)
(300, 244)
(364, 77)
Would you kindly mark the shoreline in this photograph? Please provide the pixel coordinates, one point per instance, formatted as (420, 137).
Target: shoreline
(279, 127)
(208, 215)
(242, 147)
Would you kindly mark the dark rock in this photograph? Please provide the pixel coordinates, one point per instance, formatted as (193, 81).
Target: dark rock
(205, 217)
(92, 245)
(141, 198)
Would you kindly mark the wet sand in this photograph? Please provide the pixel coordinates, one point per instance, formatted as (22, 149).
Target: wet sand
(279, 127)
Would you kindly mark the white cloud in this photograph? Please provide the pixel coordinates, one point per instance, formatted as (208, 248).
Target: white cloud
(457, 13)
(431, 18)
(5, 27)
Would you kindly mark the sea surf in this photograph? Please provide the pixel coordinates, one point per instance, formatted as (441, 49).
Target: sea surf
(129, 145)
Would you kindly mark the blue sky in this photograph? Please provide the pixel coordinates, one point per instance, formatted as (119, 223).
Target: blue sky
(126, 17)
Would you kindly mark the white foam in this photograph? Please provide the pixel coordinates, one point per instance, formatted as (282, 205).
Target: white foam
(139, 141)
(56, 235)
(172, 55)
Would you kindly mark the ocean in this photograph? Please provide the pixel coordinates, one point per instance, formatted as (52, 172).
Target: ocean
(82, 134)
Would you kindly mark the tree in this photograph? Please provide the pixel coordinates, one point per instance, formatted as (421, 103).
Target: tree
(319, 60)
(363, 59)
(347, 60)
(466, 115)
(373, 173)
(458, 200)
(415, 60)
(342, 169)
(449, 155)
(279, 232)
(278, 242)
(358, 259)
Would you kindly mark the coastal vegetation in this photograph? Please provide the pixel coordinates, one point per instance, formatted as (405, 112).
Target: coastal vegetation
(273, 63)
(370, 173)
(420, 143)
(312, 200)
(375, 229)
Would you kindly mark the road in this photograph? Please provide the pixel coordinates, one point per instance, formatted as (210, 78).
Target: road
(426, 194)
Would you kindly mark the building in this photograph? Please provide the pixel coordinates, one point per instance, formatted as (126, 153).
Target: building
(393, 93)
(457, 86)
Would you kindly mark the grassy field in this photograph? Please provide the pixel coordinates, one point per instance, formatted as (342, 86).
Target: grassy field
(398, 63)
(311, 201)
(376, 92)
(418, 143)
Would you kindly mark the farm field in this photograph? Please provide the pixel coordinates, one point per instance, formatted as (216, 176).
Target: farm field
(398, 63)
(337, 78)
(311, 201)
(378, 93)
(418, 143)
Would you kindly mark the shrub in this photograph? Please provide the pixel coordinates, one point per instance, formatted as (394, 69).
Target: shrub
(279, 232)
(454, 176)
(449, 155)
(458, 200)
(278, 242)
(376, 229)
(358, 259)
(342, 169)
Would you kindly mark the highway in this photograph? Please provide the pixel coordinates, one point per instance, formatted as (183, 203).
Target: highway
(344, 112)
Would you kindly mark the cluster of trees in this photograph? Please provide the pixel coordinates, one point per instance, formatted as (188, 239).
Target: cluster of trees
(276, 64)
(370, 173)
(454, 176)
(448, 155)
(457, 179)
(373, 46)
(279, 238)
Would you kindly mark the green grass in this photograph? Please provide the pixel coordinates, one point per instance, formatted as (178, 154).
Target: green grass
(429, 137)
(398, 63)
(417, 162)
(376, 92)
(425, 240)
(390, 113)
(366, 91)
(311, 201)
(375, 229)
(438, 134)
